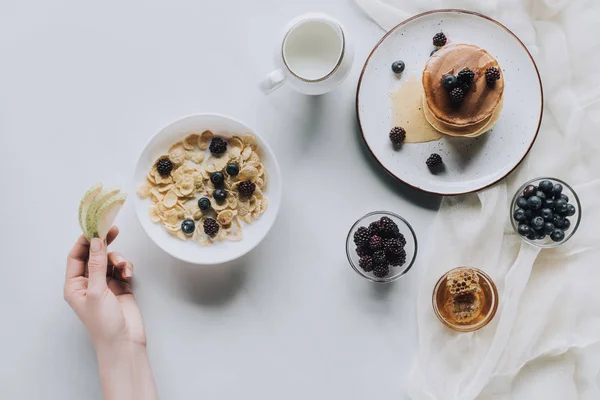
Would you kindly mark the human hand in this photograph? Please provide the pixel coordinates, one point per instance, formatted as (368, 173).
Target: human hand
(103, 299)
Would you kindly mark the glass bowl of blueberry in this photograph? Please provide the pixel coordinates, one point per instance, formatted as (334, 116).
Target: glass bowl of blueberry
(381, 246)
(545, 212)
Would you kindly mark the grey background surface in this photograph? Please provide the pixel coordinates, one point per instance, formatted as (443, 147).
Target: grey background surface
(83, 85)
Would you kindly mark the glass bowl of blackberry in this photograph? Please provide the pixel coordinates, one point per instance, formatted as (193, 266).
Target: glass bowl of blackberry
(381, 246)
(545, 212)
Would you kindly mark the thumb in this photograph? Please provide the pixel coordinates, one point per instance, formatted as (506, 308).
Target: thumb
(97, 264)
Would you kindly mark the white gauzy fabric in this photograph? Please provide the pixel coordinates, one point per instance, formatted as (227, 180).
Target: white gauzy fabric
(544, 342)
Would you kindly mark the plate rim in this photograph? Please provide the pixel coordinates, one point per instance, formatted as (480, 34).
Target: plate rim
(264, 144)
(444, 11)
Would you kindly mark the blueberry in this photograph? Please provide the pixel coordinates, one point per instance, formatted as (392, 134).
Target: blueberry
(565, 224)
(546, 186)
(449, 81)
(557, 235)
(548, 228)
(557, 220)
(524, 229)
(232, 169)
(217, 178)
(570, 210)
(531, 235)
(534, 203)
(539, 235)
(188, 226)
(549, 203)
(560, 206)
(547, 214)
(521, 202)
(537, 223)
(564, 197)
(557, 190)
(204, 203)
(529, 215)
(541, 195)
(433, 52)
(519, 215)
(398, 66)
(220, 194)
(529, 191)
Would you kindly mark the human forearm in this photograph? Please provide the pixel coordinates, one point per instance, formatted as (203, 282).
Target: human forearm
(125, 373)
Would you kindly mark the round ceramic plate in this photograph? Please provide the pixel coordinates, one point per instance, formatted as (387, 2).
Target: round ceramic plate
(470, 163)
(189, 250)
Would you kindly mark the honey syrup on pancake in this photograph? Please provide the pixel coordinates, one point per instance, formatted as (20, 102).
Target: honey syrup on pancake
(407, 112)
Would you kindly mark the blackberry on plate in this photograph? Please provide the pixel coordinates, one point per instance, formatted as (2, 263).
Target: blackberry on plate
(375, 243)
(537, 223)
(534, 203)
(439, 39)
(188, 226)
(381, 271)
(246, 188)
(366, 263)
(387, 227)
(546, 186)
(398, 66)
(379, 257)
(557, 235)
(434, 161)
(374, 228)
(519, 215)
(465, 78)
(232, 169)
(218, 146)
(361, 236)
(204, 203)
(570, 210)
(363, 251)
(397, 259)
(397, 135)
(522, 202)
(164, 166)
(217, 178)
(457, 95)
(548, 228)
(449, 81)
(393, 246)
(529, 191)
(220, 194)
(211, 226)
(492, 74)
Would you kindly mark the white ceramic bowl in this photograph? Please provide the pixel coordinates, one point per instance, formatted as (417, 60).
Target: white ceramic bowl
(189, 250)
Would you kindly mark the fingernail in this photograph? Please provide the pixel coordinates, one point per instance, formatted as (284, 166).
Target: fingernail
(127, 272)
(96, 245)
(119, 260)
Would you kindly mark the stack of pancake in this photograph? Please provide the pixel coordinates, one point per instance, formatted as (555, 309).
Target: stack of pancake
(482, 103)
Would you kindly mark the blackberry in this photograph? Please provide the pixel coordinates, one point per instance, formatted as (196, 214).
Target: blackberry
(381, 271)
(393, 246)
(164, 166)
(375, 243)
(387, 227)
(363, 251)
(397, 135)
(374, 228)
(434, 161)
(398, 259)
(401, 238)
(457, 95)
(218, 146)
(211, 226)
(361, 236)
(492, 74)
(465, 79)
(366, 263)
(379, 257)
(246, 188)
(188, 226)
(439, 39)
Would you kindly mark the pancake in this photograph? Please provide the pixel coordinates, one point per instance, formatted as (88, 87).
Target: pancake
(481, 101)
(470, 131)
